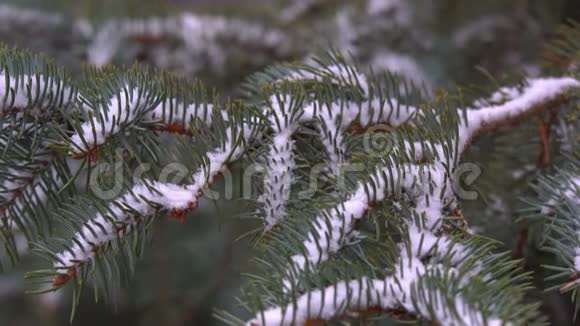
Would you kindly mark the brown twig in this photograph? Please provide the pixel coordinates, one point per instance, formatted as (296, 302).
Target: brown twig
(545, 132)
(173, 128)
(574, 280)
(62, 279)
(521, 240)
(91, 153)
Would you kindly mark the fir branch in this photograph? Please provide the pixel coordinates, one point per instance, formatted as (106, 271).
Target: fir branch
(137, 101)
(332, 227)
(331, 230)
(141, 202)
(426, 262)
(556, 204)
(145, 199)
(34, 93)
(333, 115)
(539, 94)
(396, 292)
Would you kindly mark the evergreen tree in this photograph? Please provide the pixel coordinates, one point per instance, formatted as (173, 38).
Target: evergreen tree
(376, 179)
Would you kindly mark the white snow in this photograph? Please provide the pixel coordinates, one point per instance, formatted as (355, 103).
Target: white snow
(17, 93)
(172, 111)
(102, 229)
(400, 64)
(482, 29)
(279, 162)
(108, 120)
(295, 9)
(396, 290)
(332, 121)
(537, 92)
(32, 193)
(399, 11)
(331, 229)
(144, 199)
(128, 108)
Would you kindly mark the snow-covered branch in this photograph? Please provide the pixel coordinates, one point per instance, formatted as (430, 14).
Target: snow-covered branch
(32, 93)
(24, 187)
(280, 162)
(332, 121)
(140, 202)
(537, 95)
(332, 229)
(325, 240)
(133, 107)
(143, 201)
(399, 290)
(432, 185)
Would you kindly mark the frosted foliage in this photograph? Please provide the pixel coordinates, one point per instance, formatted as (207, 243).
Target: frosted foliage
(132, 107)
(142, 201)
(432, 190)
(15, 93)
(432, 258)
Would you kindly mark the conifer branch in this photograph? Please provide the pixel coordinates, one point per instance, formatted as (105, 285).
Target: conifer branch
(131, 108)
(394, 293)
(388, 239)
(332, 229)
(30, 173)
(333, 117)
(147, 198)
(557, 204)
